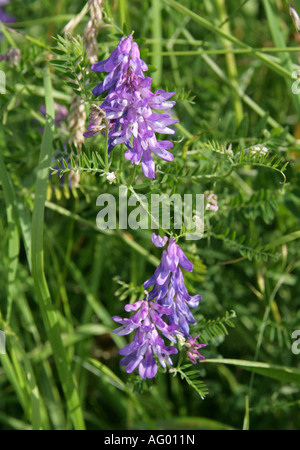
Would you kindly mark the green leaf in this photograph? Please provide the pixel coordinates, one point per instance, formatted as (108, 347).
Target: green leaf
(280, 373)
(191, 378)
(283, 240)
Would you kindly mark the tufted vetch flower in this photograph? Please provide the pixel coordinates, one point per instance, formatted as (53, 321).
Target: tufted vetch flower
(192, 349)
(169, 288)
(163, 314)
(148, 326)
(133, 111)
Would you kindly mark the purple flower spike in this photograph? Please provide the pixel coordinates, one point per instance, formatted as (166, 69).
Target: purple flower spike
(126, 54)
(169, 289)
(165, 314)
(147, 342)
(130, 108)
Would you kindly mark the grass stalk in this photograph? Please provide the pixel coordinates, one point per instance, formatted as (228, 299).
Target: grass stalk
(48, 312)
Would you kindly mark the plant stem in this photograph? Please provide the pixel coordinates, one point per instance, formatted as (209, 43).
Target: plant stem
(13, 240)
(230, 62)
(106, 148)
(157, 43)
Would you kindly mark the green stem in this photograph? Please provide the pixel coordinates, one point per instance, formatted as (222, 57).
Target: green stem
(248, 100)
(133, 175)
(4, 30)
(106, 148)
(157, 43)
(279, 39)
(13, 240)
(230, 62)
(124, 14)
(48, 312)
(224, 51)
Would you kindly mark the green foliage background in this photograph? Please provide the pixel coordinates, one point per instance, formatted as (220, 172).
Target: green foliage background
(231, 65)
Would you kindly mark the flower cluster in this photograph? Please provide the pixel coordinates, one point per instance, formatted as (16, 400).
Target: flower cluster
(169, 288)
(165, 311)
(147, 323)
(130, 108)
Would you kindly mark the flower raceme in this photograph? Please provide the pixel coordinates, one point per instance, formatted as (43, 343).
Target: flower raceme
(147, 323)
(169, 289)
(131, 108)
(168, 299)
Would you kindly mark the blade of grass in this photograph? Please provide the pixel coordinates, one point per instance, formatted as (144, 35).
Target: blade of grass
(5, 31)
(157, 43)
(61, 293)
(192, 423)
(283, 240)
(43, 20)
(13, 379)
(248, 100)
(25, 227)
(124, 14)
(246, 423)
(17, 213)
(13, 241)
(96, 278)
(91, 298)
(49, 391)
(279, 41)
(43, 295)
(35, 407)
(230, 62)
(39, 416)
(14, 423)
(279, 373)
(224, 51)
(80, 334)
(101, 370)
